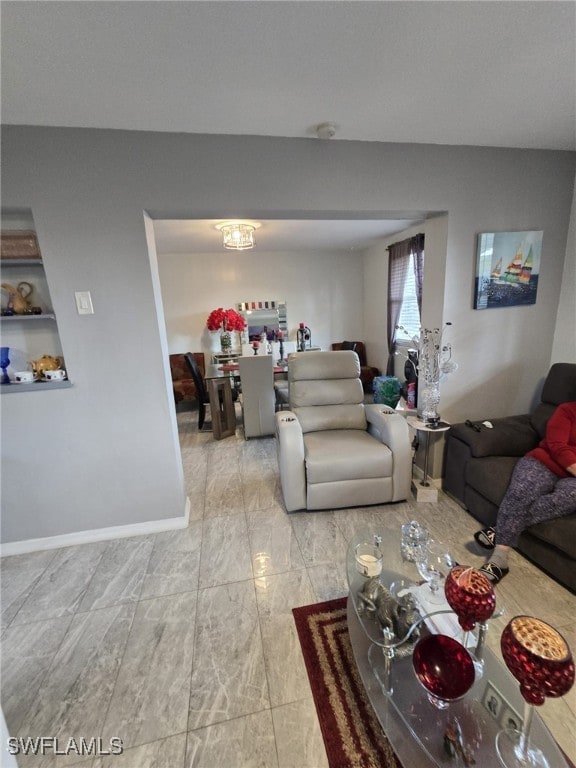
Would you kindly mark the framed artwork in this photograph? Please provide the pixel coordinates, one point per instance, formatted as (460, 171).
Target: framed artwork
(507, 269)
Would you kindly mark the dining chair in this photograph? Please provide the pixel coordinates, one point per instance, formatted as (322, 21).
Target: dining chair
(258, 395)
(182, 382)
(202, 392)
(201, 388)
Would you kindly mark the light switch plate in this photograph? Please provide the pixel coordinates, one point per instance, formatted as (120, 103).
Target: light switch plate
(84, 303)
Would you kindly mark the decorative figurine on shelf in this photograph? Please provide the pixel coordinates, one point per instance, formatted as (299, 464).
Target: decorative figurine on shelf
(255, 346)
(304, 337)
(46, 363)
(4, 363)
(18, 297)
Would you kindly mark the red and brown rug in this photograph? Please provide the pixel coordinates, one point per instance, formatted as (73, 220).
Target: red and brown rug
(353, 737)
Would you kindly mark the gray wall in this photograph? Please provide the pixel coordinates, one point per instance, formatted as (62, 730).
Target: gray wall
(113, 457)
(565, 335)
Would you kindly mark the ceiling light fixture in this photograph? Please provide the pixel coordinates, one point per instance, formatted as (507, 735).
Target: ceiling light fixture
(236, 235)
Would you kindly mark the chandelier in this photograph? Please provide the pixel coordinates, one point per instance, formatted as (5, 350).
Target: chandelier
(237, 236)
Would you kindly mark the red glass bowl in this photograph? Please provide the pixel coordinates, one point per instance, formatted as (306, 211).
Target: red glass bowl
(538, 657)
(443, 667)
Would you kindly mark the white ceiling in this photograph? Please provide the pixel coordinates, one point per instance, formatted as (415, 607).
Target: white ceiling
(470, 73)
(286, 235)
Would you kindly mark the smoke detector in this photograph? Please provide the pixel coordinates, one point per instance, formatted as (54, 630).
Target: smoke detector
(326, 130)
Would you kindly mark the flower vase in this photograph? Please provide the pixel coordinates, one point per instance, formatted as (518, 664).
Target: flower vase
(429, 399)
(226, 342)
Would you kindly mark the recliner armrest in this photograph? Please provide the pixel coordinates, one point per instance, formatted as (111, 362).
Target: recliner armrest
(509, 436)
(290, 448)
(391, 429)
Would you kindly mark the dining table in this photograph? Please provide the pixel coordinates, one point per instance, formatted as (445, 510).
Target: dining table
(232, 370)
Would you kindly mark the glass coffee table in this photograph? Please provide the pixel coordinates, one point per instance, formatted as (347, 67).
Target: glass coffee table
(414, 727)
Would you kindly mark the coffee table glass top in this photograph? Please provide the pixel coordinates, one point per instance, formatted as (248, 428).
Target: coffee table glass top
(493, 701)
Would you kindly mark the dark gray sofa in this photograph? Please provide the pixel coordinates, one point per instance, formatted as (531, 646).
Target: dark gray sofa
(478, 466)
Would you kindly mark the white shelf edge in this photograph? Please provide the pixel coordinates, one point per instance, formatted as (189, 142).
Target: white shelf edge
(21, 263)
(27, 318)
(34, 386)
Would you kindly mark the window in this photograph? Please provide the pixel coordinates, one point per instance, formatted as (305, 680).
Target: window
(405, 273)
(409, 318)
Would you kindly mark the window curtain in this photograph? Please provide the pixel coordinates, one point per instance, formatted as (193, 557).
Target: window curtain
(418, 254)
(398, 262)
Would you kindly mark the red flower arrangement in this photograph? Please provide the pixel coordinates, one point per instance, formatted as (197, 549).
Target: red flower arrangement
(225, 320)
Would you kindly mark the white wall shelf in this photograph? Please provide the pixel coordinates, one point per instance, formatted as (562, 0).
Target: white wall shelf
(32, 335)
(27, 318)
(34, 386)
(21, 263)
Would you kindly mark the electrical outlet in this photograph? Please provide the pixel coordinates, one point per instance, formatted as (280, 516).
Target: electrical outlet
(493, 701)
(500, 709)
(510, 719)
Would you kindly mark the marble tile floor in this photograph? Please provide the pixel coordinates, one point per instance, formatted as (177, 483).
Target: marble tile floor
(183, 645)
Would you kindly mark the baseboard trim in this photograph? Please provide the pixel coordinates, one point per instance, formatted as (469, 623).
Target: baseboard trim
(100, 534)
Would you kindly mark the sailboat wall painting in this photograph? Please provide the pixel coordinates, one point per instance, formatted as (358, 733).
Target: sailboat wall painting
(507, 269)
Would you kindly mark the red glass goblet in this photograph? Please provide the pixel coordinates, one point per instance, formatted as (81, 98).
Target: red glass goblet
(444, 668)
(470, 595)
(540, 659)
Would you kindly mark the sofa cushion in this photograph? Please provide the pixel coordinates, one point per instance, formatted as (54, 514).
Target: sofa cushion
(328, 392)
(345, 455)
(560, 384)
(321, 366)
(509, 436)
(490, 476)
(559, 387)
(325, 391)
(560, 533)
(540, 417)
(331, 417)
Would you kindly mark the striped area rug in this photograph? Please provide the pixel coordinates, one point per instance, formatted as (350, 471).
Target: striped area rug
(352, 734)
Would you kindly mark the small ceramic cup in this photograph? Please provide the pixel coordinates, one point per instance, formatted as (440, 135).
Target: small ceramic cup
(23, 376)
(56, 375)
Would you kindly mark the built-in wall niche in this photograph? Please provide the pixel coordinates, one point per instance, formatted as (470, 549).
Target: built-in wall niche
(29, 329)
(264, 317)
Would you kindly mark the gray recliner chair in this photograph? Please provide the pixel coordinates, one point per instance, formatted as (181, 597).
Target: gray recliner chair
(333, 450)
